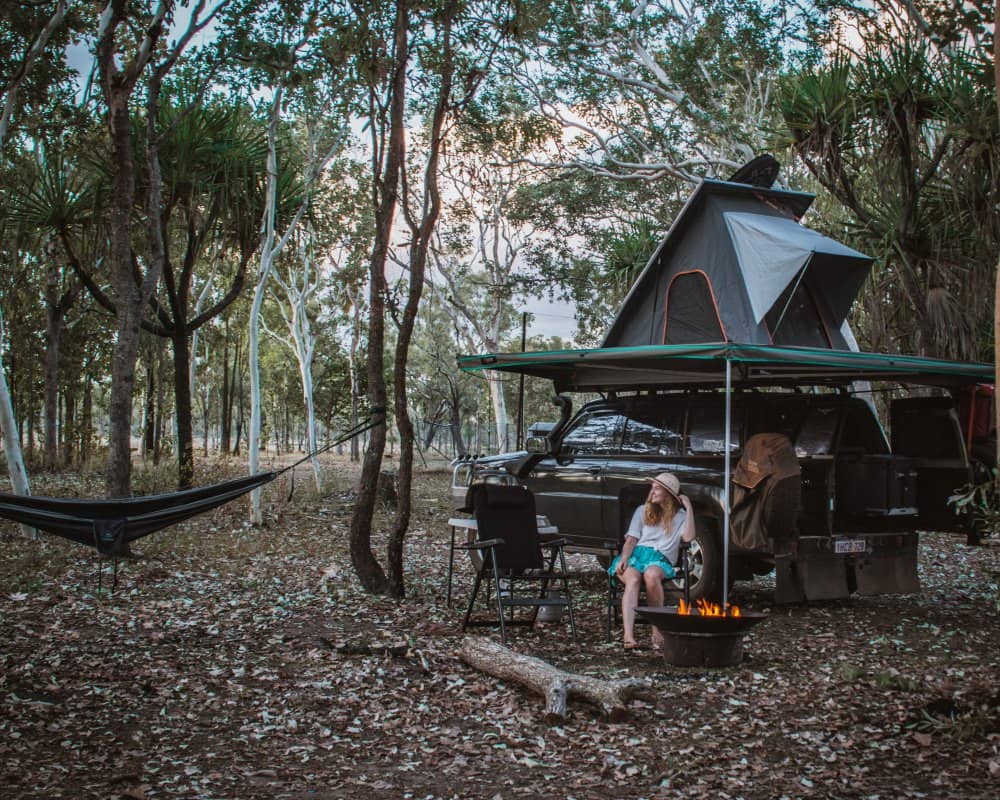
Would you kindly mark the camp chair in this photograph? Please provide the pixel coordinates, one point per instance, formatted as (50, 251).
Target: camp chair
(629, 499)
(512, 562)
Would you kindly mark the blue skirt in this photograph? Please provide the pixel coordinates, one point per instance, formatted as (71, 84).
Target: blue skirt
(643, 558)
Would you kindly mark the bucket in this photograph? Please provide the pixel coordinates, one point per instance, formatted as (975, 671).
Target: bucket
(551, 613)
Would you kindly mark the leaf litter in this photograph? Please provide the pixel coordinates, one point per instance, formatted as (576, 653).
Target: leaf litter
(241, 663)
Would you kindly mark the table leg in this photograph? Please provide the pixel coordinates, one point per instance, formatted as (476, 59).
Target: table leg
(451, 563)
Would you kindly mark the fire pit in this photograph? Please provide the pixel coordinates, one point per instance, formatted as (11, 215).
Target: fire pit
(701, 637)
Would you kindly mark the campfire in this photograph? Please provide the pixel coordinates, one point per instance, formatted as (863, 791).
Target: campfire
(703, 608)
(702, 634)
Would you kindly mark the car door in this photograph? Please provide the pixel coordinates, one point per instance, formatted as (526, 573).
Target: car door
(927, 430)
(569, 485)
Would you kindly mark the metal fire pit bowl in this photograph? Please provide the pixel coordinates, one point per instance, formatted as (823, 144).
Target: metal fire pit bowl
(691, 640)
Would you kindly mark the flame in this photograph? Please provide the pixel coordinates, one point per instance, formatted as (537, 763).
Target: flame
(706, 609)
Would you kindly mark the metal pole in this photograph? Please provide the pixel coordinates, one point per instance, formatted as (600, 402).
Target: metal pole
(520, 390)
(725, 491)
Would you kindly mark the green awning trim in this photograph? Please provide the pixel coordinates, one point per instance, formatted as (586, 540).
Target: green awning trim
(704, 365)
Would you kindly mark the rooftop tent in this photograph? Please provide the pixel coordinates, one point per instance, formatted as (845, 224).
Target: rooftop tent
(736, 266)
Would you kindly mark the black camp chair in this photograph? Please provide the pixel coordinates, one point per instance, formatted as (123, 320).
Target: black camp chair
(629, 499)
(512, 561)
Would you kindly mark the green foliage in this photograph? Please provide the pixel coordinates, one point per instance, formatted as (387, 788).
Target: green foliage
(904, 136)
(979, 504)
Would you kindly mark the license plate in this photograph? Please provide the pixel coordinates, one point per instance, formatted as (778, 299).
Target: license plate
(841, 546)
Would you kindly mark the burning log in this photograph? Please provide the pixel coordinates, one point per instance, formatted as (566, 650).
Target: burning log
(554, 684)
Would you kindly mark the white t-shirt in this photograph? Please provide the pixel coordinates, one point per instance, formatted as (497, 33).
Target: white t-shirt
(667, 542)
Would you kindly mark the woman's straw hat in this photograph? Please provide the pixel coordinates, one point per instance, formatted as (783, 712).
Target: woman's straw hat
(669, 482)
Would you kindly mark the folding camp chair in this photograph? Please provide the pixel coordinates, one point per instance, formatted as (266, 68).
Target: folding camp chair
(630, 498)
(512, 562)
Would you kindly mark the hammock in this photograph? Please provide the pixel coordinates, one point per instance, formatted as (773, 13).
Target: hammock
(111, 524)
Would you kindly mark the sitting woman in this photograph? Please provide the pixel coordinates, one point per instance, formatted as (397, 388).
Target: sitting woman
(651, 545)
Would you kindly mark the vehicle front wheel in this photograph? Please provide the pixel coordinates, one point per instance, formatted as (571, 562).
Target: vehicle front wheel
(705, 561)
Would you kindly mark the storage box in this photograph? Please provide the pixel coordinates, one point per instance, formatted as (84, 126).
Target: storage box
(878, 485)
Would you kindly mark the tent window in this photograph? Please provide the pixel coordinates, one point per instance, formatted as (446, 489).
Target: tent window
(691, 315)
(799, 324)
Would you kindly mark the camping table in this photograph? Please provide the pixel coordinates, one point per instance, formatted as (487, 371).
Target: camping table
(457, 524)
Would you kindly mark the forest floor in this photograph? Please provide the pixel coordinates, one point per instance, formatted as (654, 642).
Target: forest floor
(246, 663)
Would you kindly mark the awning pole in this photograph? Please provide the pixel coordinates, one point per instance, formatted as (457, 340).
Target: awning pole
(725, 491)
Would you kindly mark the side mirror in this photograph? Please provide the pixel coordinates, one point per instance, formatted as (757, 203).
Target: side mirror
(538, 445)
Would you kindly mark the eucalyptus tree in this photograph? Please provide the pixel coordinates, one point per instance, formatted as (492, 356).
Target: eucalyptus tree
(284, 50)
(656, 89)
(430, 59)
(901, 130)
(440, 394)
(298, 278)
(307, 291)
(479, 257)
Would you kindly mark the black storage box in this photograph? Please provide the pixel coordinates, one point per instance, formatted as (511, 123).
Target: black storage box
(876, 485)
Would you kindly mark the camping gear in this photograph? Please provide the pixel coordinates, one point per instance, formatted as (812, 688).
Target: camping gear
(737, 266)
(111, 524)
(512, 561)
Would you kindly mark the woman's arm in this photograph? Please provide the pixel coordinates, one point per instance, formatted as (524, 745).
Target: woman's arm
(688, 531)
(626, 553)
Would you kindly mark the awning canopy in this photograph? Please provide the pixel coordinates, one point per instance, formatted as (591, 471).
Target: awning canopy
(704, 365)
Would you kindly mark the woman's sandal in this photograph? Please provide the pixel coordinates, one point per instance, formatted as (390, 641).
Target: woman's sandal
(633, 646)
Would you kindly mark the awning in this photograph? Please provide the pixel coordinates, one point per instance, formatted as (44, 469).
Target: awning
(704, 365)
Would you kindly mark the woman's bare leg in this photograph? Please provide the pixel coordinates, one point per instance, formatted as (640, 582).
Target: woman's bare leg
(630, 599)
(653, 578)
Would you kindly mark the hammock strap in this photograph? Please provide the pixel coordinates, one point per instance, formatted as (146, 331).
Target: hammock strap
(376, 418)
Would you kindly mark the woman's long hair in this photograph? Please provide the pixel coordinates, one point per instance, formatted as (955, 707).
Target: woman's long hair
(655, 513)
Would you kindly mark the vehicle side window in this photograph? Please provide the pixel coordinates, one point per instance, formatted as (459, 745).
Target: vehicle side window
(594, 434)
(706, 430)
(816, 436)
(652, 431)
(863, 432)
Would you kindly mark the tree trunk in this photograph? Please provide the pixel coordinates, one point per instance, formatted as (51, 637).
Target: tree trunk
(996, 293)
(253, 434)
(55, 311)
(126, 346)
(456, 425)
(87, 420)
(11, 444)
(495, 382)
(69, 423)
(419, 248)
(386, 196)
(182, 407)
(149, 408)
(355, 379)
(553, 684)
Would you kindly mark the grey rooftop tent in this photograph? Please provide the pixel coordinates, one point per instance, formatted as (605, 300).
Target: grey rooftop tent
(736, 266)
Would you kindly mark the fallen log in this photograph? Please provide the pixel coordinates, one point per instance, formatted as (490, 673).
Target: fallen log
(555, 685)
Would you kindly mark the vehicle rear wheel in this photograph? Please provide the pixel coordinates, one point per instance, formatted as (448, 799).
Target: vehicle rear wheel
(705, 559)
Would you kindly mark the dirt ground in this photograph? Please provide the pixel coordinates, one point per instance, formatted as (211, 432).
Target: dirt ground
(246, 663)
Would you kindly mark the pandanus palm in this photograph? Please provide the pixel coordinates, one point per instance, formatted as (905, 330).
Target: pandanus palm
(899, 135)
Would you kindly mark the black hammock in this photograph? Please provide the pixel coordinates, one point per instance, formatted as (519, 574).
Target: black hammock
(110, 525)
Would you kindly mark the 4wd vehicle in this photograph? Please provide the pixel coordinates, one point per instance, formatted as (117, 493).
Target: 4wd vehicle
(862, 500)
